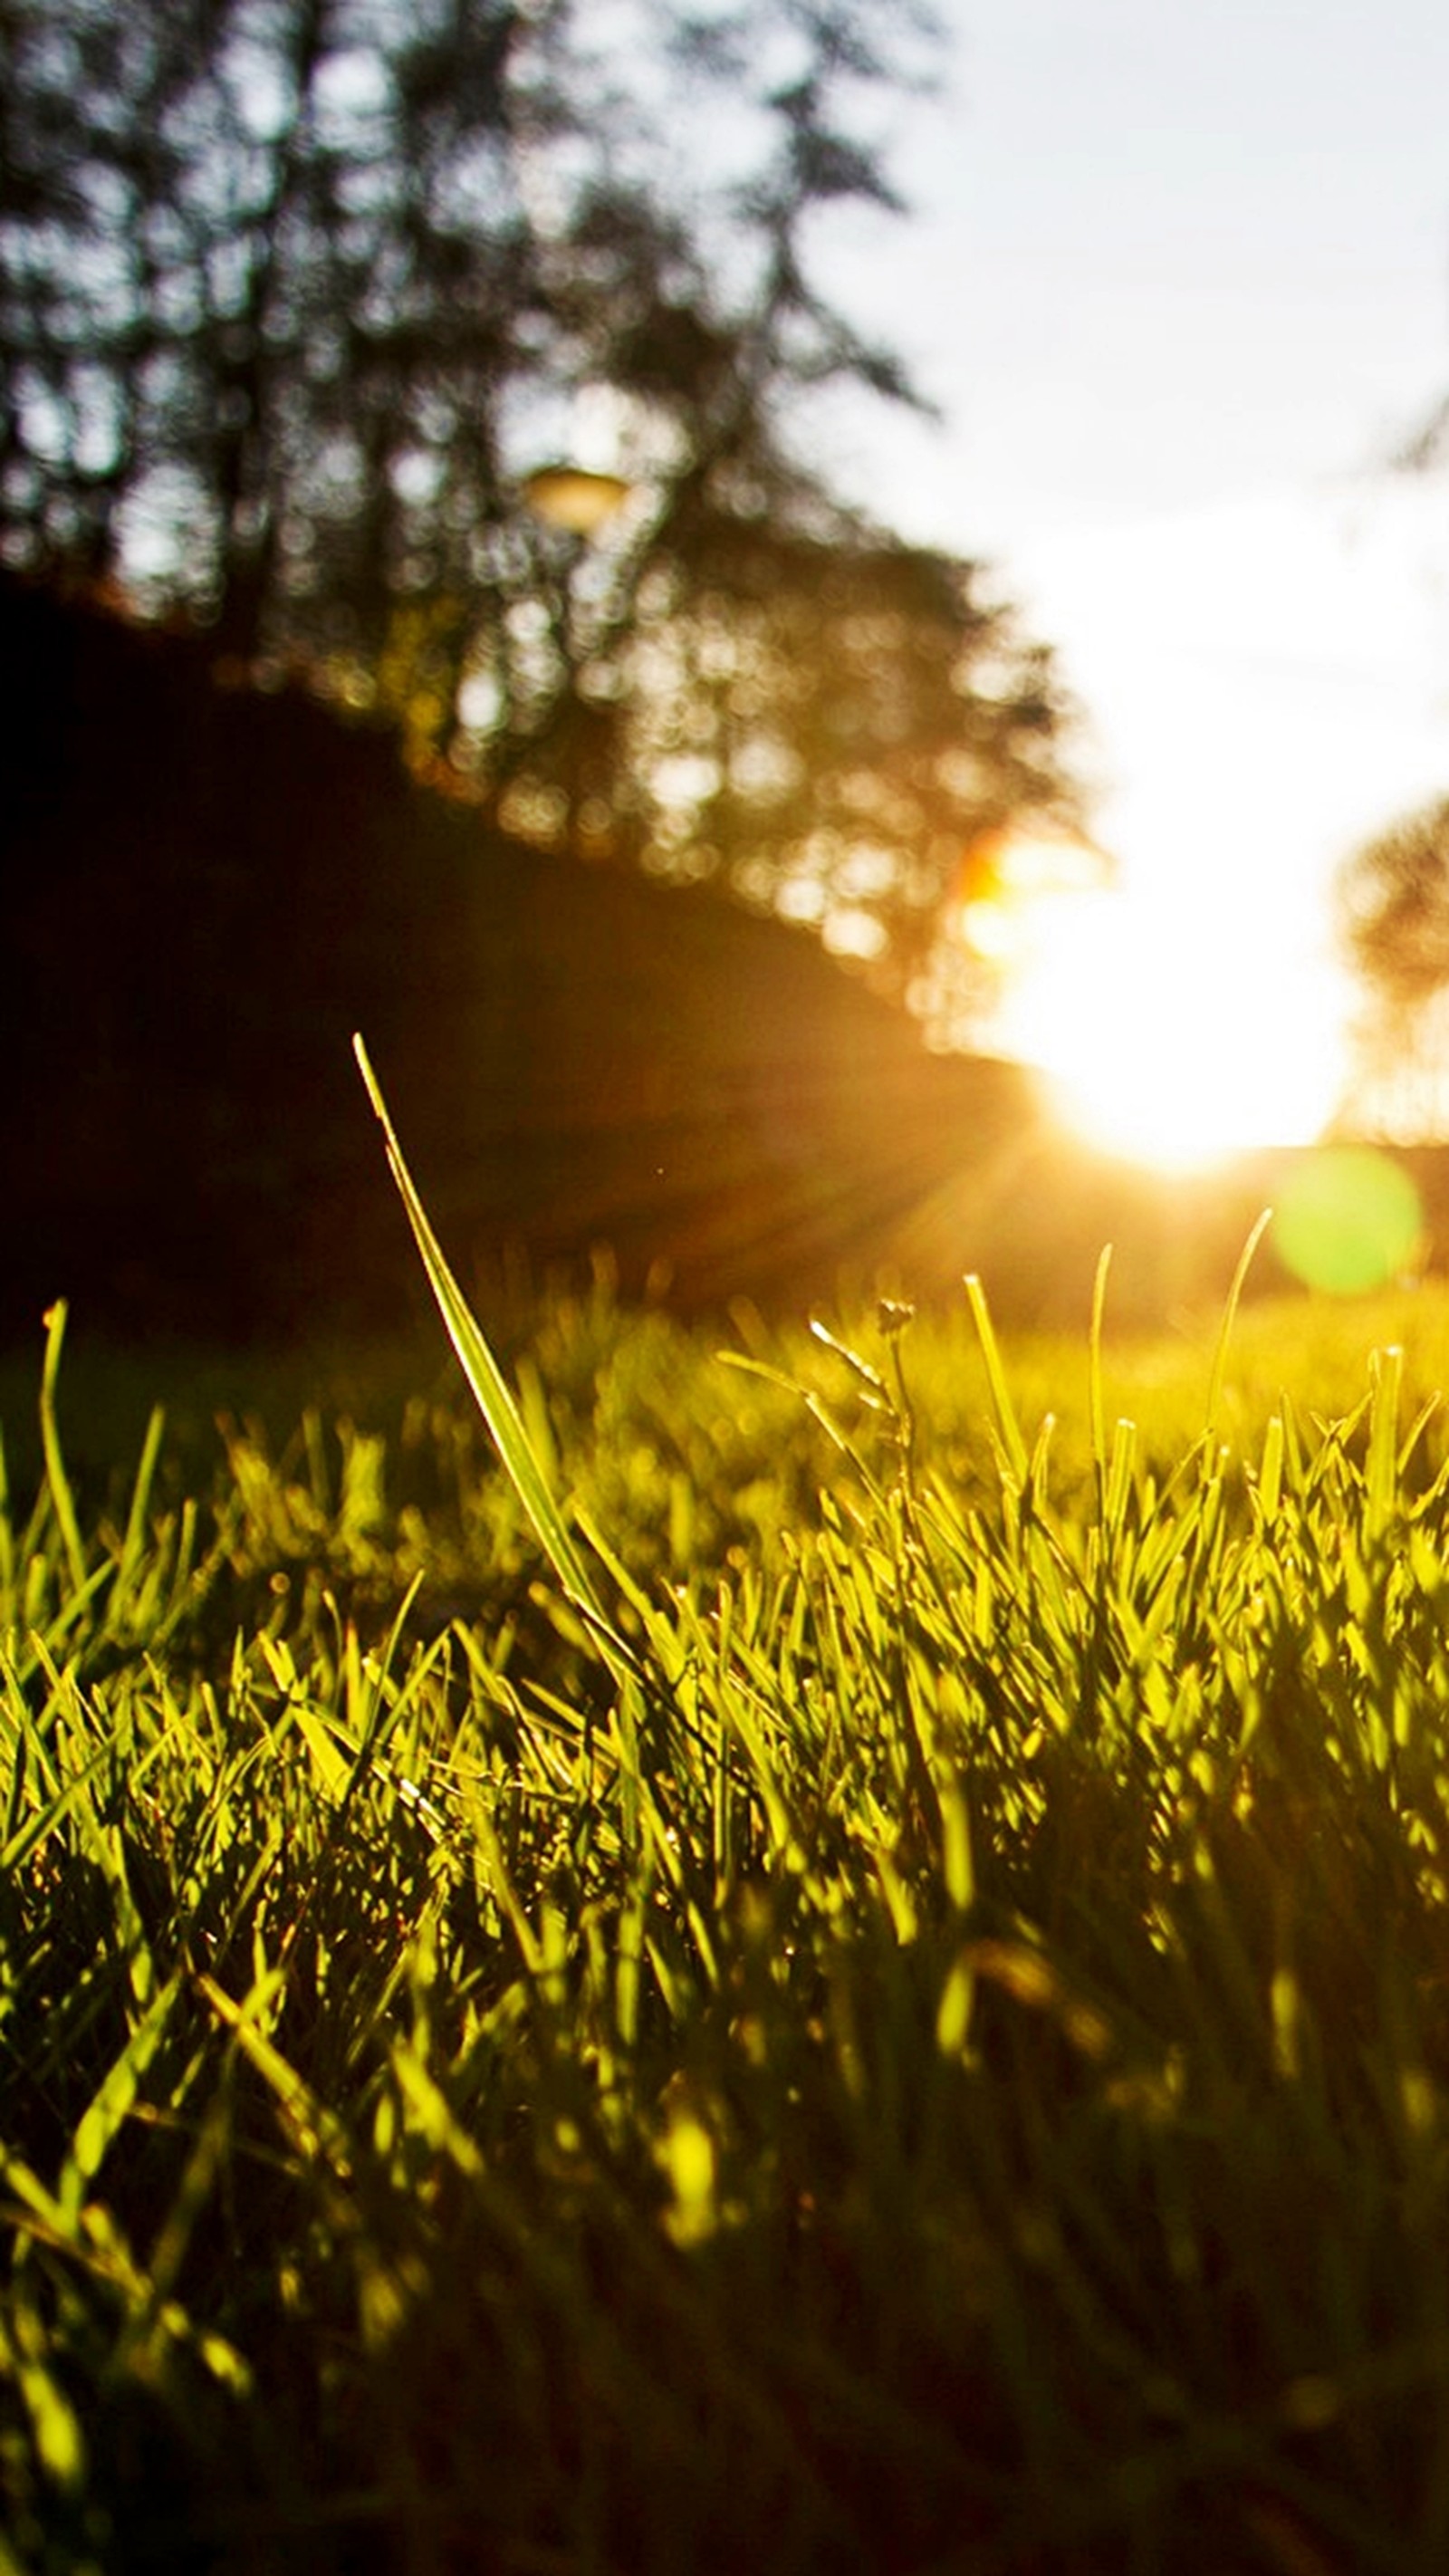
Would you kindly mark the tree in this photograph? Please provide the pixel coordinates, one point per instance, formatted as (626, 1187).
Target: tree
(823, 726)
(1393, 906)
(293, 292)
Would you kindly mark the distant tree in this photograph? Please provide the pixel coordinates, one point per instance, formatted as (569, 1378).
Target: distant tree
(1426, 447)
(824, 726)
(1393, 907)
(294, 292)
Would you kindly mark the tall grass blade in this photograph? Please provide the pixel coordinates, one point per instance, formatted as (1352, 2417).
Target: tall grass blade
(55, 1475)
(1386, 1370)
(110, 2105)
(1012, 1439)
(1096, 1407)
(1225, 1329)
(133, 1544)
(491, 1391)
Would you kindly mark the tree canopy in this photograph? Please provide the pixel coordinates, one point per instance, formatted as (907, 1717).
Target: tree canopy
(1393, 907)
(295, 293)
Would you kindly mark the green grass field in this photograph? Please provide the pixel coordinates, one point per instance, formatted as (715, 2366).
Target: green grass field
(812, 1970)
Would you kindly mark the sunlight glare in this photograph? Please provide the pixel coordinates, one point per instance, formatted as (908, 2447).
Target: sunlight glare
(1168, 1034)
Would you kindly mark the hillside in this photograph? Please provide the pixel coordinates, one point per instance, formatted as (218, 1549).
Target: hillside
(207, 890)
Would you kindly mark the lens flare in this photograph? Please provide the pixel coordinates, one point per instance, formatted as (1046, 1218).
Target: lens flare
(1349, 1220)
(1169, 1033)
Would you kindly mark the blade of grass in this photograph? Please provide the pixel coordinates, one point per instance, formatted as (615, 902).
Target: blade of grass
(1096, 1408)
(134, 1542)
(491, 1391)
(111, 2103)
(1225, 1329)
(1012, 1440)
(1386, 1370)
(55, 1474)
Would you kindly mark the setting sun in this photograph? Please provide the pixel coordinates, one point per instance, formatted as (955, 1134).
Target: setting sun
(1168, 1035)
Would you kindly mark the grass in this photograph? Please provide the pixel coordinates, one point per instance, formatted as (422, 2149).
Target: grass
(816, 1970)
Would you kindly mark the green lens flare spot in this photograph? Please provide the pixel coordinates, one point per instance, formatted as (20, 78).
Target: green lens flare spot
(1349, 1219)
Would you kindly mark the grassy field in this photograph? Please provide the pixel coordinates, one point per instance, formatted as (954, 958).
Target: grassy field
(837, 1961)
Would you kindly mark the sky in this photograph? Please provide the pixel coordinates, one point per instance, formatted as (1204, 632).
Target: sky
(1178, 280)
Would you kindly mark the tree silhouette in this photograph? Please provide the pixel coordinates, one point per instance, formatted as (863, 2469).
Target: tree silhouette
(1393, 909)
(294, 292)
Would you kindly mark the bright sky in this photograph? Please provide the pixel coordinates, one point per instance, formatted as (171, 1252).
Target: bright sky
(1179, 279)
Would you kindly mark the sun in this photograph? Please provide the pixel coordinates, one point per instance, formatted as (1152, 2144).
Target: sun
(1169, 1035)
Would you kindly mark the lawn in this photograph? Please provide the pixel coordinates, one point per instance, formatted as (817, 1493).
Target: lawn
(827, 1954)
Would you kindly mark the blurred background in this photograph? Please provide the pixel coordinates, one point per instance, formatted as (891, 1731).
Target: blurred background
(828, 626)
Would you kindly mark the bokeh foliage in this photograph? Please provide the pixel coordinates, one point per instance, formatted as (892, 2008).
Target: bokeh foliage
(294, 292)
(1393, 915)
